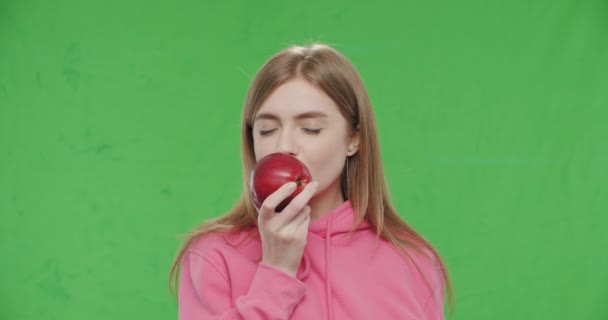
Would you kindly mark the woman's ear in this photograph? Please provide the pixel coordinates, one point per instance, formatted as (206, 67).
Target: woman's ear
(353, 145)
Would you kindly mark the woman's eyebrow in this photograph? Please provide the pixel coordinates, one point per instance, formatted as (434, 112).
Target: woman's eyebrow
(311, 114)
(305, 115)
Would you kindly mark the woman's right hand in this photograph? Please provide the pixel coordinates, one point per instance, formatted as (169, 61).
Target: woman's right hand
(284, 234)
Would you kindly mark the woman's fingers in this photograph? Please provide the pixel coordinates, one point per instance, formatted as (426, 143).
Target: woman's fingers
(301, 219)
(273, 200)
(296, 205)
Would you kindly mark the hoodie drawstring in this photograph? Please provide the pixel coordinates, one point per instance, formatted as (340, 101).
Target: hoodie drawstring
(330, 309)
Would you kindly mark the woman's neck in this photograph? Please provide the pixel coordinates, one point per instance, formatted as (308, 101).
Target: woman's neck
(325, 201)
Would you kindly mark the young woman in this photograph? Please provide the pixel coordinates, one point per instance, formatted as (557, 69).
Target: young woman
(339, 250)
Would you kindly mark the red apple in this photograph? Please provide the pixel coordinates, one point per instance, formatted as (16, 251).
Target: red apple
(273, 171)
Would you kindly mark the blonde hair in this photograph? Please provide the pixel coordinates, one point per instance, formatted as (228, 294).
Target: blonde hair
(362, 180)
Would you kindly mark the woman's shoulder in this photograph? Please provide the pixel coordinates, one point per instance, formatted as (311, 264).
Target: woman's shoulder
(418, 257)
(429, 262)
(424, 255)
(218, 243)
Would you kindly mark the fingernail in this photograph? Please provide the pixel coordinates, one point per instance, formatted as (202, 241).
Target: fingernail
(292, 186)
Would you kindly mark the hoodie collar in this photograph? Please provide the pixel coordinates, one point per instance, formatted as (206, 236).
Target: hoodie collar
(340, 220)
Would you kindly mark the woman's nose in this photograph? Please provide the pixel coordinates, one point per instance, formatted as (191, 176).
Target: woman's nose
(286, 143)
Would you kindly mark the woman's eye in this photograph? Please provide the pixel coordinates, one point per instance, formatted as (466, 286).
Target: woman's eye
(312, 131)
(266, 132)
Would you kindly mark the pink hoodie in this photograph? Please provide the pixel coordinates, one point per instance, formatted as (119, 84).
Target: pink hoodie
(340, 277)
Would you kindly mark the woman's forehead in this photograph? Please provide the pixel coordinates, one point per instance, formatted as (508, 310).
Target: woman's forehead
(297, 98)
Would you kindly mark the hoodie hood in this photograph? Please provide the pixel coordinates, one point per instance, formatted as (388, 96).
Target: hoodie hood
(339, 221)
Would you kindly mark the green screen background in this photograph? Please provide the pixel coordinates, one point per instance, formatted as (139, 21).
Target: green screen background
(119, 130)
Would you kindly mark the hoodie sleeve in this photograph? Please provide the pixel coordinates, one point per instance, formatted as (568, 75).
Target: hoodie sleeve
(205, 293)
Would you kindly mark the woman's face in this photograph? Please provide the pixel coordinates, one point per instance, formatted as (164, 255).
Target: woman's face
(300, 119)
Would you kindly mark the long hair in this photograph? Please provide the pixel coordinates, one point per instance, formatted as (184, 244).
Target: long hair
(362, 179)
